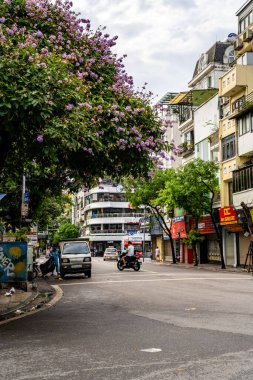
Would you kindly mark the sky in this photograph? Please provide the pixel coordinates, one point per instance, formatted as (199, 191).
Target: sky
(163, 39)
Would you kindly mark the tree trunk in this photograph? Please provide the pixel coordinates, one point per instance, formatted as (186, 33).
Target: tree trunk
(219, 238)
(164, 227)
(195, 255)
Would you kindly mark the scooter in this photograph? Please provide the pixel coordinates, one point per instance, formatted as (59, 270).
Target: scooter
(134, 264)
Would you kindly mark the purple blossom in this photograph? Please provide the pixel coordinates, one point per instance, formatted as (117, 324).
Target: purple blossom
(69, 107)
(2, 19)
(40, 138)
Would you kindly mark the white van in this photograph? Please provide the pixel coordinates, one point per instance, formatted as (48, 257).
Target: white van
(75, 257)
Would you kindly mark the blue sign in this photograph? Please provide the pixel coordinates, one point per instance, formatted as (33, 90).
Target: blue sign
(26, 196)
(13, 261)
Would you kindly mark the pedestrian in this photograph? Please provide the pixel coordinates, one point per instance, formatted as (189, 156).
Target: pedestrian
(55, 254)
(157, 253)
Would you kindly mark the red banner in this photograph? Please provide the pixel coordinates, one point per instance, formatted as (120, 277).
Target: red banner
(205, 225)
(178, 229)
(228, 215)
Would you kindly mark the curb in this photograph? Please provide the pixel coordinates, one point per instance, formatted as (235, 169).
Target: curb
(214, 268)
(58, 293)
(22, 305)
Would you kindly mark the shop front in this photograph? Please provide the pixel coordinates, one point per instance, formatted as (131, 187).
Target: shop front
(230, 228)
(178, 233)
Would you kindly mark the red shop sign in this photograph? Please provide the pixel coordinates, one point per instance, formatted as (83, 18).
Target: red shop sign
(228, 215)
(178, 229)
(205, 225)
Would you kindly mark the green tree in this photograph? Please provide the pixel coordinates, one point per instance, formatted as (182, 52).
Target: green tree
(194, 237)
(68, 110)
(194, 189)
(66, 231)
(146, 192)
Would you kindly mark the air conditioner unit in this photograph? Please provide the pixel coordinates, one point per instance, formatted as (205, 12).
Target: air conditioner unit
(224, 100)
(238, 44)
(247, 35)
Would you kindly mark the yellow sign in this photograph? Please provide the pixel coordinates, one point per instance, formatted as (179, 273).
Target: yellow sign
(251, 213)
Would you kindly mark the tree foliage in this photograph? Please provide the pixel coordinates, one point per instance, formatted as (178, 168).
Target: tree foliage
(66, 231)
(68, 110)
(146, 192)
(194, 188)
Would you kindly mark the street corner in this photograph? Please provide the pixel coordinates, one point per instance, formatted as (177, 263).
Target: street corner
(41, 302)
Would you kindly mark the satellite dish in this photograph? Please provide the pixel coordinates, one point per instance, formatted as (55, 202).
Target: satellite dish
(231, 36)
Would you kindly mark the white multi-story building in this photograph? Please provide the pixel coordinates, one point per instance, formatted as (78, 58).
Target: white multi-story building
(105, 216)
(170, 121)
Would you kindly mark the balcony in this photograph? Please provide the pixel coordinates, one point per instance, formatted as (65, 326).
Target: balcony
(243, 185)
(109, 231)
(186, 148)
(236, 80)
(243, 107)
(116, 215)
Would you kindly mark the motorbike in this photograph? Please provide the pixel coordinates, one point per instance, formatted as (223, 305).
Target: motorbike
(34, 271)
(134, 264)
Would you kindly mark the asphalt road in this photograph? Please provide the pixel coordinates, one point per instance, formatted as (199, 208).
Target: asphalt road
(164, 322)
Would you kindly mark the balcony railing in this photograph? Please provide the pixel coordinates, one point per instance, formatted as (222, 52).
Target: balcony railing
(104, 200)
(243, 179)
(116, 215)
(186, 148)
(243, 107)
(112, 231)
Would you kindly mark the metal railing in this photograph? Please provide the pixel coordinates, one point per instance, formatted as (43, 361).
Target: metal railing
(243, 106)
(115, 215)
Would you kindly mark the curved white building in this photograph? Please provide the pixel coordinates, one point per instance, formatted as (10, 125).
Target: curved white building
(105, 215)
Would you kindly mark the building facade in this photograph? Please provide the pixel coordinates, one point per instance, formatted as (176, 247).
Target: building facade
(236, 136)
(105, 216)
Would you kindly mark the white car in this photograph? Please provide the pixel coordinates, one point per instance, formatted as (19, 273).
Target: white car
(111, 253)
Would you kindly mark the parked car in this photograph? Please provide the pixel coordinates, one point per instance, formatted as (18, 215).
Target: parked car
(111, 253)
(75, 257)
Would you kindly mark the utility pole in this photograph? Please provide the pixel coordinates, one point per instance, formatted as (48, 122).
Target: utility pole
(24, 201)
(144, 231)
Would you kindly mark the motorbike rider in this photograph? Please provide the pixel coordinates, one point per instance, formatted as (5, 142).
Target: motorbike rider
(130, 253)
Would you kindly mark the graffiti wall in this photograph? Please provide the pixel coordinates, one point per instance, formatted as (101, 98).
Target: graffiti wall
(13, 261)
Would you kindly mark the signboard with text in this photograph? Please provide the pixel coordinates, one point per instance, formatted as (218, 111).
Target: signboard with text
(13, 261)
(205, 225)
(228, 215)
(178, 228)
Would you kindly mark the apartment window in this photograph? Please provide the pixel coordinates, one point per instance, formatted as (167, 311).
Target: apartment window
(209, 82)
(237, 105)
(228, 147)
(189, 137)
(243, 179)
(244, 124)
(230, 193)
(245, 22)
(231, 56)
(215, 155)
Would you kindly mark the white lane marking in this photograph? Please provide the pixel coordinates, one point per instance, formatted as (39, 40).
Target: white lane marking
(151, 350)
(157, 280)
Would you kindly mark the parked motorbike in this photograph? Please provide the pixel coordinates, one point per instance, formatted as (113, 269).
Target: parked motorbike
(34, 272)
(134, 264)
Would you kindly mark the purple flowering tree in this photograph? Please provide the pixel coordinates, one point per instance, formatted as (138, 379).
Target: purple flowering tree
(68, 109)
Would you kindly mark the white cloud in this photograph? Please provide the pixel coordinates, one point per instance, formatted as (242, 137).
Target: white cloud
(162, 38)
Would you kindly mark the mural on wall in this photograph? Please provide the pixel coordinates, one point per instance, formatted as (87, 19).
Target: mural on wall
(13, 261)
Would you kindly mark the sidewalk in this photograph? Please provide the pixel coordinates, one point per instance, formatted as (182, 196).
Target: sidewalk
(38, 294)
(211, 267)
